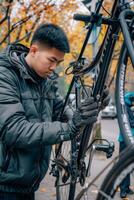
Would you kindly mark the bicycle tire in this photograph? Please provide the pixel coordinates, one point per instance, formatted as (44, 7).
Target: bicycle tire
(121, 86)
(65, 191)
(123, 167)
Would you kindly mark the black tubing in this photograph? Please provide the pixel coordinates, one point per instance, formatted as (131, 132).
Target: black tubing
(127, 14)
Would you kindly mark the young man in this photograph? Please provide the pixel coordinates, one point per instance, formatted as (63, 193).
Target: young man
(29, 106)
(125, 185)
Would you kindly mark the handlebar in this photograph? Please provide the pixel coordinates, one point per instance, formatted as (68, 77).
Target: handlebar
(81, 17)
(88, 18)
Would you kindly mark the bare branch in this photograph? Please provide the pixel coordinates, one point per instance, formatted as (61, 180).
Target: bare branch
(7, 12)
(22, 21)
(32, 28)
(19, 32)
(19, 40)
(17, 25)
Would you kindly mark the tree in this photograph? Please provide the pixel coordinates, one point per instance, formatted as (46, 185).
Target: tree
(19, 19)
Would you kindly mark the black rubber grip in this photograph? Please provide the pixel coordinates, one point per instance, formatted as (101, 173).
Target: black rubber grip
(87, 19)
(81, 17)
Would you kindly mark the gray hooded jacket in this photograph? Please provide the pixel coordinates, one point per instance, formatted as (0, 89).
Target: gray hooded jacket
(29, 106)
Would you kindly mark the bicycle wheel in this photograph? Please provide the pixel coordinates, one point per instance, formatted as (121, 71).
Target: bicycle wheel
(65, 187)
(124, 85)
(124, 166)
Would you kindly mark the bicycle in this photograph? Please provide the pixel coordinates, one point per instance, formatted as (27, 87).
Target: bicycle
(72, 166)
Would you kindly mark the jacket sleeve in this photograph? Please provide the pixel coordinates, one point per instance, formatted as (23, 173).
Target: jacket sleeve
(15, 129)
(58, 104)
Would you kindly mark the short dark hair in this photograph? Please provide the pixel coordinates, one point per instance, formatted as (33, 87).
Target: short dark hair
(51, 35)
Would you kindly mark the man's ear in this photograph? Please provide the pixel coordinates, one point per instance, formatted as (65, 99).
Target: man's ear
(33, 49)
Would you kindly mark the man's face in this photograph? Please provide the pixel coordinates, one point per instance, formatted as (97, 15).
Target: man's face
(45, 60)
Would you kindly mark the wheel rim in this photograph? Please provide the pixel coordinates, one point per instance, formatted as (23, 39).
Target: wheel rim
(125, 84)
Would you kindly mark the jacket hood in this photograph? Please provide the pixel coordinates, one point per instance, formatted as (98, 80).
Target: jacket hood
(14, 51)
(10, 58)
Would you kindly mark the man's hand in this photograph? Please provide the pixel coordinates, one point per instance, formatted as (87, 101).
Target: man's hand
(86, 114)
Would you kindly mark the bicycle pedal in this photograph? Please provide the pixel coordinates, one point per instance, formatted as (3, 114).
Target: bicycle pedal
(107, 148)
(101, 147)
